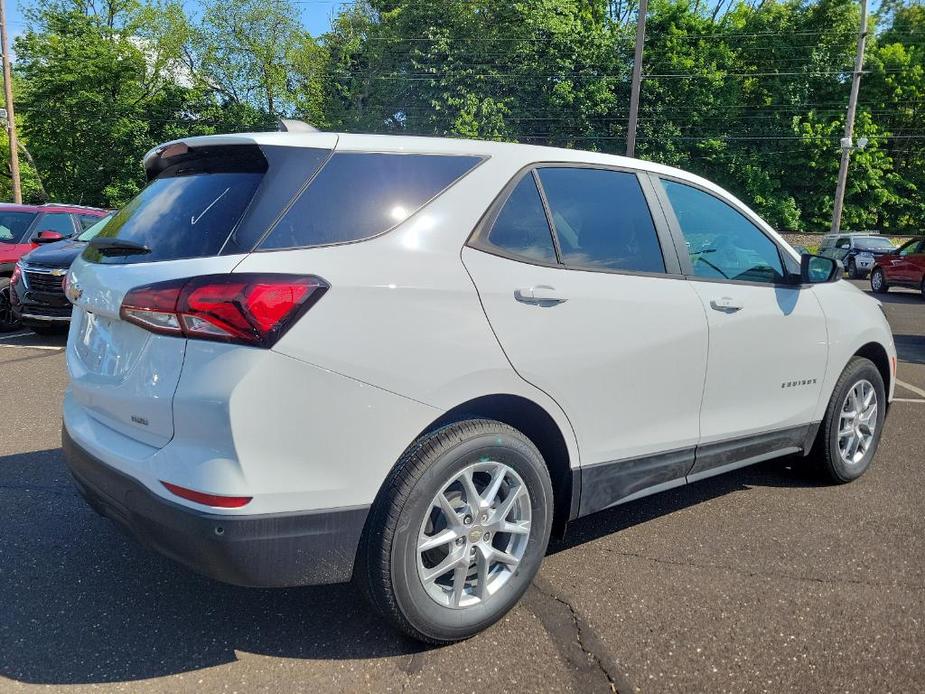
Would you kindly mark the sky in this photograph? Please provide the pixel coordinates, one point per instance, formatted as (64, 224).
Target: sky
(316, 14)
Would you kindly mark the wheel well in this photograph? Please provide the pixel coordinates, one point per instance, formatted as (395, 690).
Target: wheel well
(537, 425)
(877, 354)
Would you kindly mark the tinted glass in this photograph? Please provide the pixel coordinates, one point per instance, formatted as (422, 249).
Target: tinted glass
(13, 225)
(60, 222)
(912, 247)
(722, 242)
(521, 227)
(602, 219)
(96, 228)
(358, 195)
(180, 216)
(88, 220)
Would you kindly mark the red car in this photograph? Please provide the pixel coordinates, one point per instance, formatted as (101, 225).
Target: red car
(24, 227)
(905, 267)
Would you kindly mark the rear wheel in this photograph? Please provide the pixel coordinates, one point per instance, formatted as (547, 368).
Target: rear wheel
(458, 532)
(853, 422)
(878, 282)
(8, 321)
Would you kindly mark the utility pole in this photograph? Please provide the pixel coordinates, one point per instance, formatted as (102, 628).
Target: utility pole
(846, 143)
(637, 78)
(10, 115)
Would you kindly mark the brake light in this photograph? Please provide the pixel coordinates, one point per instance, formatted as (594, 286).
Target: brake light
(246, 308)
(207, 499)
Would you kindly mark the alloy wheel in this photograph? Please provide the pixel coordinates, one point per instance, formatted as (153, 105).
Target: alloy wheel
(876, 281)
(474, 534)
(857, 422)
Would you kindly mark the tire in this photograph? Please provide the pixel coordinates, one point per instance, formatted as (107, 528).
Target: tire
(390, 566)
(8, 322)
(859, 377)
(853, 270)
(878, 283)
(922, 288)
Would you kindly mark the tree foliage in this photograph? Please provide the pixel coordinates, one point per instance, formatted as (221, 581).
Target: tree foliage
(750, 93)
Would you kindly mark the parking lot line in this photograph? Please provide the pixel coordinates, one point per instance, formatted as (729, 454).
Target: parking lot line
(908, 400)
(46, 347)
(909, 386)
(14, 335)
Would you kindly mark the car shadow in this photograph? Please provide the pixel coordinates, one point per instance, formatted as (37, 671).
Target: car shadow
(910, 348)
(82, 604)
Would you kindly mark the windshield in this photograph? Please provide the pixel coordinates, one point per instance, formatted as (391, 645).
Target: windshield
(96, 228)
(873, 244)
(13, 225)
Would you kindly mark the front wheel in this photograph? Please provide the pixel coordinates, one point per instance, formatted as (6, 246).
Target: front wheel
(8, 320)
(458, 531)
(853, 272)
(853, 422)
(878, 283)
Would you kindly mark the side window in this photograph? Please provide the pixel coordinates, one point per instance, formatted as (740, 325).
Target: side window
(912, 247)
(843, 244)
(521, 227)
(357, 195)
(722, 242)
(601, 219)
(87, 221)
(58, 221)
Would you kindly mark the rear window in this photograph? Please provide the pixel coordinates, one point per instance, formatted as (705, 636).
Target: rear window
(13, 225)
(357, 195)
(189, 210)
(874, 243)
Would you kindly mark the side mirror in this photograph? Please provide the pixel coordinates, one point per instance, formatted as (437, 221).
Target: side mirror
(47, 236)
(816, 269)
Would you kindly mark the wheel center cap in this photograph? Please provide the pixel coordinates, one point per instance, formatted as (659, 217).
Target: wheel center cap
(475, 534)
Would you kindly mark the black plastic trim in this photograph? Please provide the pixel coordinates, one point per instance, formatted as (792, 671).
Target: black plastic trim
(746, 448)
(265, 550)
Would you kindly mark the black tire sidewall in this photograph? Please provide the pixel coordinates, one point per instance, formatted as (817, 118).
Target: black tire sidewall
(858, 369)
(6, 286)
(440, 623)
(883, 287)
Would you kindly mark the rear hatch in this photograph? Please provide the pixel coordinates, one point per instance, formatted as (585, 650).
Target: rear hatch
(202, 212)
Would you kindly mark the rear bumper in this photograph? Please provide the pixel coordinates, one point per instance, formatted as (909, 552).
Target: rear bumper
(287, 549)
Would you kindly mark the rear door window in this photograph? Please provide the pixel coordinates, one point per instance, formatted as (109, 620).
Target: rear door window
(521, 229)
(13, 225)
(601, 219)
(357, 195)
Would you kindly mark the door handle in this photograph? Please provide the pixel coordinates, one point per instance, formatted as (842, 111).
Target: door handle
(725, 304)
(541, 295)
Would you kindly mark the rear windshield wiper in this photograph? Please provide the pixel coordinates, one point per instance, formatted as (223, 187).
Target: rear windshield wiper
(110, 246)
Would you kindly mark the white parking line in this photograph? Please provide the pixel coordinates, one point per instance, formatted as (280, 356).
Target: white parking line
(908, 400)
(14, 335)
(909, 386)
(48, 347)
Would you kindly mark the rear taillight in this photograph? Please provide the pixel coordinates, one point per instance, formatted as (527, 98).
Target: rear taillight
(207, 499)
(246, 308)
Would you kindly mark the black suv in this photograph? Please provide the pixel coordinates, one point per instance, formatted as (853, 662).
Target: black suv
(37, 295)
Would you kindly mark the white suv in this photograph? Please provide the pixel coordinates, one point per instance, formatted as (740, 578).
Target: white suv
(301, 358)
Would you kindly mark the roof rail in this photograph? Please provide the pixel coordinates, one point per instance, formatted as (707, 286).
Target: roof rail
(290, 125)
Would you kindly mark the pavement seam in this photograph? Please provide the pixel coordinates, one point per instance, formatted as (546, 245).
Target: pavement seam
(589, 644)
(761, 574)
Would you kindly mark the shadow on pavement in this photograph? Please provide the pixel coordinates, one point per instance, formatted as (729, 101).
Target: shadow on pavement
(84, 604)
(910, 348)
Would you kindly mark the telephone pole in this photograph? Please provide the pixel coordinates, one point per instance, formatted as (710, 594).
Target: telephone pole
(10, 116)
(637, 78)
(846, 142)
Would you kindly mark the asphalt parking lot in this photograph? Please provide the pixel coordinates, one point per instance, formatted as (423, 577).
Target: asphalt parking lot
(764, 579)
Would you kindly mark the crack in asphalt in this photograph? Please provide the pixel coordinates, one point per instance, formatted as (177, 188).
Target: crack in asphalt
(762, 574)
(567, 630)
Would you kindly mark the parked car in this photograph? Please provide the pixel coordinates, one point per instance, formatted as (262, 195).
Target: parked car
(25, 227)
(905, 267)
(301, 358)
(857, 252)
(37, 285)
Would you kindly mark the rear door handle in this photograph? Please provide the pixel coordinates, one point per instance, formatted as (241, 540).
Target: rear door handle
(725, 304)
(541, 294)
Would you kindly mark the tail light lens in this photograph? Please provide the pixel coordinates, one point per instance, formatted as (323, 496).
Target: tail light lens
(246, 308)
